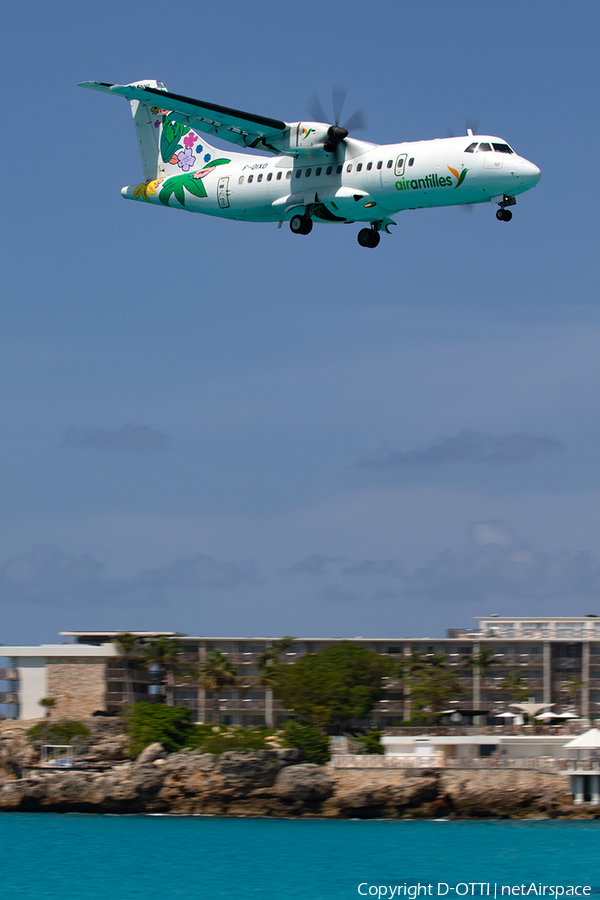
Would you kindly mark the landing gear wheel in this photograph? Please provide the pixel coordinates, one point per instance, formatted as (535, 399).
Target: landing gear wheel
(504, 215)
(368, 237)
(301, 225)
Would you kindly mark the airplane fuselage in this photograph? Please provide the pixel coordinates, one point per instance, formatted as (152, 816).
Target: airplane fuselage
(369, 184)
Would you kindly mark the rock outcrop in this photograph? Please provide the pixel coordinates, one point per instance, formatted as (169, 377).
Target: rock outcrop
(264, 783)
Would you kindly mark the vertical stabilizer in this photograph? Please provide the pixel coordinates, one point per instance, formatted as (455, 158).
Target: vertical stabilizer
(148, 128)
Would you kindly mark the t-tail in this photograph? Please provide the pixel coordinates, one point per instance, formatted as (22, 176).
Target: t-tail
(168, 146)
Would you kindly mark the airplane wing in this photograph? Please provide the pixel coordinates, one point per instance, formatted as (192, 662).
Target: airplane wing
(233, 125)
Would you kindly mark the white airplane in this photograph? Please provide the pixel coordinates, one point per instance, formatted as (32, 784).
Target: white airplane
(317, 172)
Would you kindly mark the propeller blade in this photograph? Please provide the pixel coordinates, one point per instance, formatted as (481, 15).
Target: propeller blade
(473, 124)
(315, 110)
(339, 93)
(357, 121)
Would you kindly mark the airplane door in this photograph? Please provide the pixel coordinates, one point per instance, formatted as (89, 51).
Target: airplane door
(223, 192)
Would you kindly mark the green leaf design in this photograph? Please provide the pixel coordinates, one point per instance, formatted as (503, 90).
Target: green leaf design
(172, 186)
(172, 132)
(194, 186)
(216, 162)
(462, 177)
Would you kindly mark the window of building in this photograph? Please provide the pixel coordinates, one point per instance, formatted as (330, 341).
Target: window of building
(269, 176)
(390, 163)
(359, 167)
(250, 178)
(241, 179)
(369, 166)
(259, 177)
(380, 164)
(394, 649)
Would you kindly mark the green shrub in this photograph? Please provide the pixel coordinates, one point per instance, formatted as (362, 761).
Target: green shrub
(312, 741)
(148, 723)
(241, 739)
(370, 742)
(64, 731)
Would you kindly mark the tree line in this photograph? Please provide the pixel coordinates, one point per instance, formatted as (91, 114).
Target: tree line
(335, 689)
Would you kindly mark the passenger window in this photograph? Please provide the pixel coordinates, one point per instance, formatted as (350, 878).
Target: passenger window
(307, 173)
(241, 179)
(250, 178)
(318, 171)
(349, 168)
(501, 148)
(369, 166)
(483, 148)
(359, 167)
(471, 148)
(339, 170)
(269, 176)
(259, 177)
(411, 160)
(298, 173)
(390, 163)
(380, 164)
(279, 176)
(329, 170)
(288, 174)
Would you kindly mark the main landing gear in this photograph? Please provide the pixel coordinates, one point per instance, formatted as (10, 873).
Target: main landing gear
(301, 224)
(368, 237)
(504, 214)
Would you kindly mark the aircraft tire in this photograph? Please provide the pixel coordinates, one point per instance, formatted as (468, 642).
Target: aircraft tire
(367, 237)
(301, 225)
(504, 215)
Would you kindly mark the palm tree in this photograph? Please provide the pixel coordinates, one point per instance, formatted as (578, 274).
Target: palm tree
(216, 672)
(268, 663)
(480, 663)
(165, 653)
(572, 687)
(47, 703)
(129, 649)
(516, 686)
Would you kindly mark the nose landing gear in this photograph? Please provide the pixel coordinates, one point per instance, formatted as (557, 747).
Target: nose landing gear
(504, 214)
(369, 237)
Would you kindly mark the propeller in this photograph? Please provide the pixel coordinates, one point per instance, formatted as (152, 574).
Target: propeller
(336, 133)
(471, 127)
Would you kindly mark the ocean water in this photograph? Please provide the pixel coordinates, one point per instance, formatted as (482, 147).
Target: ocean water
(160, 857)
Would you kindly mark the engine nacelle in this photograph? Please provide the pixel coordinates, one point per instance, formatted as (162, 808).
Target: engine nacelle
(303, 136)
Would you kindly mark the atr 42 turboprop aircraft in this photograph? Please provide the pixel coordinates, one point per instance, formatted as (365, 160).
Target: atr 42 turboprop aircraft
(317, 174)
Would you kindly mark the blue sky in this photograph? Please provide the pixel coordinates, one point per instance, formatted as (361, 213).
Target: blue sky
(223, 428)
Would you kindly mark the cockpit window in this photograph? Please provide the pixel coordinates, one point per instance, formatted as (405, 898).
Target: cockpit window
(502, 148)
(471, 148)
(484, 147)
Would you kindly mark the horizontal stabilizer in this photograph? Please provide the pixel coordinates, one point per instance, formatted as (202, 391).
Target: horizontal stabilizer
(233, 125)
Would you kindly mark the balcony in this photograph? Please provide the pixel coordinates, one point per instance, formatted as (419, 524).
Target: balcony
(141, 676)
(9, 675)
(9, 697)
(124, 697)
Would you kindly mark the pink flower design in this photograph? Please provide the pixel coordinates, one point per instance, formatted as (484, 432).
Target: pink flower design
(186, 159)
(189, 140)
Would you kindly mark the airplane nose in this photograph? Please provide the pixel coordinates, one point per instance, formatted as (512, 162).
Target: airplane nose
(530, 173)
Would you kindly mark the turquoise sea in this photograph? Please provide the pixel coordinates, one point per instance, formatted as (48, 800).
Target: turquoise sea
(160, 857)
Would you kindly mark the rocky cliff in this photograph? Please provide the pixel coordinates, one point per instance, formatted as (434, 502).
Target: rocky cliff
(265, 783)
